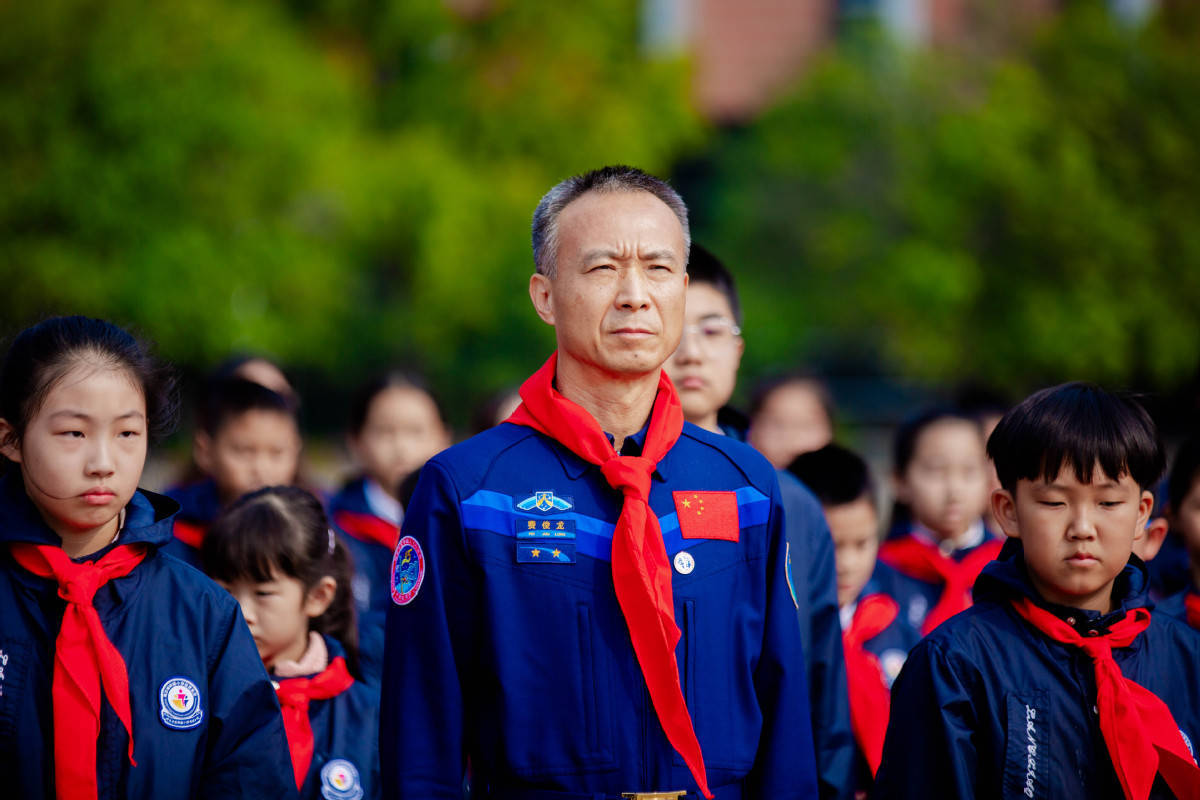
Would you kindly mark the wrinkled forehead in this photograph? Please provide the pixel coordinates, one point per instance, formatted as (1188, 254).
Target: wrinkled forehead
(623, 223)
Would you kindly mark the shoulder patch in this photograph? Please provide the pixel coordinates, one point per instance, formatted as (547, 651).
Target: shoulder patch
(339, 781)
(408, 571)
(179, 704)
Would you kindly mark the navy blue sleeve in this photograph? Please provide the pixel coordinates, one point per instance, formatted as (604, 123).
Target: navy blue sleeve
(247, 753)
(785, 766)
(815, 581)
(930, 749)
(428, 653)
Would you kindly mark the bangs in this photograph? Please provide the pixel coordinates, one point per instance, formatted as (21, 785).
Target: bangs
(1080, 426)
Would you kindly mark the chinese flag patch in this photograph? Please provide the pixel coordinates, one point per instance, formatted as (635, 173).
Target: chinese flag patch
(707, 515)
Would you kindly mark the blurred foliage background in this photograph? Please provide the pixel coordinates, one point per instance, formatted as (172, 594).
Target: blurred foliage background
(347, 184)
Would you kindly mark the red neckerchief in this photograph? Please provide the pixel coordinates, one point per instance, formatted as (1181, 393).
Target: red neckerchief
(924, 561)
(1139, 731)
(84, 660)
(190, 533)
(1191, 602)
(869, 696)
(368, 528)
(294, 695)
(640, 569)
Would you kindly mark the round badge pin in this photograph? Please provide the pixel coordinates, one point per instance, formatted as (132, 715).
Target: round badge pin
(684, 563)
(408, 571)
(339, 781)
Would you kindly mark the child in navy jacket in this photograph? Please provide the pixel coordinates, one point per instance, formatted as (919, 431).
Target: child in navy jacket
(274, 551)
(875, 636)
(1183, 514)
(1057, 682)
(89, 606)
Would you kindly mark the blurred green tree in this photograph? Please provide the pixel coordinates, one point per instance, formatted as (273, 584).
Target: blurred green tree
(1020, 218)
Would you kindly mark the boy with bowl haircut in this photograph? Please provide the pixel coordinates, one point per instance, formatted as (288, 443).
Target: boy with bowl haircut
(1057, 682)
(1183, 514)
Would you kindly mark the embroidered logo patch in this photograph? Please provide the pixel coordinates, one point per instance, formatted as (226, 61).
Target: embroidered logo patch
(707, 515)
(787, 569)
(339, 781)
(545, 502)
(408, 571)
(179, 704)
(1188, 742)
(545, 553)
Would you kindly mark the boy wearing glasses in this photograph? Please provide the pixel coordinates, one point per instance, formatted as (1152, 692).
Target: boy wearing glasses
(704, 370)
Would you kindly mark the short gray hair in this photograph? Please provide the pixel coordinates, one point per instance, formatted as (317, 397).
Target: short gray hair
(604, 180)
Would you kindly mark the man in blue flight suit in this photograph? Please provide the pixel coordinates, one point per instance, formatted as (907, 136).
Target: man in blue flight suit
(704, 370)
(591, 600)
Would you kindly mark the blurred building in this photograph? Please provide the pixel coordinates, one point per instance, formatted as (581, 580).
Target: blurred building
(747, 52)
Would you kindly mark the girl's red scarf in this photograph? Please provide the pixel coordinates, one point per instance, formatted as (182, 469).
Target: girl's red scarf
(870, 699)
(924, 561)
(1138, 729)
(84, 660)
(640, 569)
(294, 695)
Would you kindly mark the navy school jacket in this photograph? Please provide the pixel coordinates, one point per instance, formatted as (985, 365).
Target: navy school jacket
(199, 505)
(372, 561)
(985, 687)
(520, 664)
(814, 580)
(345, 763)
(917, 597)
(175, 629)
(1176, 605)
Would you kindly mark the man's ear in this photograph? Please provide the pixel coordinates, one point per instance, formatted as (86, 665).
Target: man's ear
(541, 290)
(1148, 545)
(1004, 510)
(317, 601)
(202, 452)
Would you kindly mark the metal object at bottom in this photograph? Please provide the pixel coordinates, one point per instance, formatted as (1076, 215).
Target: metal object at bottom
(653, 795)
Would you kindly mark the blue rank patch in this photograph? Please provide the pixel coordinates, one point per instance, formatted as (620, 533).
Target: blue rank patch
(545, 553)
(528, 528)
(545, 502)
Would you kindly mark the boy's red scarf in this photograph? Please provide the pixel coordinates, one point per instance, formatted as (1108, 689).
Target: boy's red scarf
(869, 696)
(84, 660)
(368, 528)
(294, 695)
(640, 569)
(924, 561)
(1141, 735)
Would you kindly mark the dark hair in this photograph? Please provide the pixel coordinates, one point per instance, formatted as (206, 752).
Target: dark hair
(1184, 471)
(605, 180)
(231, 368)
(836, 475)
(904, 446)
(360, 404)
(706, 268)
(40, 356)
(282, 530)
(1078, 424)
(766, 387)
(225, 398)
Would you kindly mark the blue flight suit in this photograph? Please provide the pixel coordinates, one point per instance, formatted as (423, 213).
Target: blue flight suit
(345, 762)
(169, 622)
(520, 665)
(985, 687)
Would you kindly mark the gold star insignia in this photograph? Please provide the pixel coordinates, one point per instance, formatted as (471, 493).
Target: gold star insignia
(556, 553)
(535, 553)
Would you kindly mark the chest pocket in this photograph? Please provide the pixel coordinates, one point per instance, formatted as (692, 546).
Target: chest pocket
(1027, 755)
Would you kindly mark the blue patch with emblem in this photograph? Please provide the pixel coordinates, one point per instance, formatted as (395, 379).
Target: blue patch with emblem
(545, 503)
(549, 552)
(545, 528)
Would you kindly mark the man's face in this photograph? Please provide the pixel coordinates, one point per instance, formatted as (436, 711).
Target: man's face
(704, 367)
(617, 300)
(1077, 536)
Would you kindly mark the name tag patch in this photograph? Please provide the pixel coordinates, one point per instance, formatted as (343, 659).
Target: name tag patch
(528, 528)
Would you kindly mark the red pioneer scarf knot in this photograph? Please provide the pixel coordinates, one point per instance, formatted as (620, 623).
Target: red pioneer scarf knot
(294, 695)
(1139, 731)
(869, 695)
(926, 562)
(640, 569)
(85, 660)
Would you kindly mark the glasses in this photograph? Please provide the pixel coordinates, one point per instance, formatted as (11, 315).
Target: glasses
(713, 333)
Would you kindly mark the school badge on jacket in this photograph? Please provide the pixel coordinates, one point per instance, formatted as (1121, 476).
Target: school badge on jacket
(179, 704)
(339, 781)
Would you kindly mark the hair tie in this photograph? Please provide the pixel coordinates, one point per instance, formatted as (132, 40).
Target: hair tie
(332, 541)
